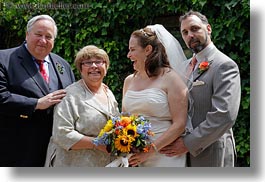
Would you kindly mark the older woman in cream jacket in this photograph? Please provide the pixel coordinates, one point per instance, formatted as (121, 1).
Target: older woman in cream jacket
(82, 114)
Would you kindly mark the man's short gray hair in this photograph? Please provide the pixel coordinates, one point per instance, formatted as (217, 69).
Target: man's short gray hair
(41, 17)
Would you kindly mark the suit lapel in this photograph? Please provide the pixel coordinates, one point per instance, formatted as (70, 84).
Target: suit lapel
(30, 67)
(93, 102)
(196, 74)
(59, 70)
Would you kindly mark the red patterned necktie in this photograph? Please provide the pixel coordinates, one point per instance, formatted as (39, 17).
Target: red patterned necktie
(43, 71)
(193, 62)
(192, 65)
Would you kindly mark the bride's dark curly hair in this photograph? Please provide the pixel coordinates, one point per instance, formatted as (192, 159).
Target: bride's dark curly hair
(158, 58)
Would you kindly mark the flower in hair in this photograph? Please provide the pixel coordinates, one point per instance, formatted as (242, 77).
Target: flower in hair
(145, 34)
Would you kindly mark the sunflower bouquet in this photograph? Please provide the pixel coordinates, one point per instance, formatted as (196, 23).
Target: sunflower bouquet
(124, 135)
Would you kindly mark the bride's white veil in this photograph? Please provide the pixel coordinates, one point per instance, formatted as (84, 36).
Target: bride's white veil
(175, 54)
(177, 60)
(173, 48)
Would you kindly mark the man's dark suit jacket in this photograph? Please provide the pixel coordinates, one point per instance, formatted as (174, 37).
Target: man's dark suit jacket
(24, 131)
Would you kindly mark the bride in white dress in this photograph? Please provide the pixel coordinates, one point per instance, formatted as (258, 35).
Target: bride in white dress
(158, 91)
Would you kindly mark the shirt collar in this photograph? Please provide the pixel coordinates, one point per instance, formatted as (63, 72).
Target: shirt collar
(46, 59)
(205, 53)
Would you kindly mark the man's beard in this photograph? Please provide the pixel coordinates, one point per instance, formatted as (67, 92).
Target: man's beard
(198, 48)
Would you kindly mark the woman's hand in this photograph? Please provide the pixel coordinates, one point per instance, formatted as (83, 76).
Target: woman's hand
(102, 148)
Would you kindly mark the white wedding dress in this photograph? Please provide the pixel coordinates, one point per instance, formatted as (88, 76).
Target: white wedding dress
(152, 103)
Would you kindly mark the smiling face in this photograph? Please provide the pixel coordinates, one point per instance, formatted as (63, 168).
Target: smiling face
(195, 33)
(40, 39)
(137, 54)
(93, 70)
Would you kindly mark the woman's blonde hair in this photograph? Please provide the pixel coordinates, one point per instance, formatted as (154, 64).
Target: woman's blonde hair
(89, 52)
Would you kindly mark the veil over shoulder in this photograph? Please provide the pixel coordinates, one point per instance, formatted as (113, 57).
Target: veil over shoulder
(177, 60)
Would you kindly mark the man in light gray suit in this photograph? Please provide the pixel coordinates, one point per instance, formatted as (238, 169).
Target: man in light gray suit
(216, 99)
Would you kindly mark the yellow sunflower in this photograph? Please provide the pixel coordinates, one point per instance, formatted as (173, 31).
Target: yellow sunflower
(123, 143)
(108, 127)
(131, 130)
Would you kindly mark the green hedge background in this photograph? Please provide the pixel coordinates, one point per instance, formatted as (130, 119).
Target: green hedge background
(109, 23)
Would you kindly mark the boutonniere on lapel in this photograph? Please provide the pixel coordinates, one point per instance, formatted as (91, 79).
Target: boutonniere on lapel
(60, 68)
(204, 66)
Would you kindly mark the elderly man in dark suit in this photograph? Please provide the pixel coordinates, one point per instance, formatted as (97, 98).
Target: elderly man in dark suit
(32, 81)
(216, 95)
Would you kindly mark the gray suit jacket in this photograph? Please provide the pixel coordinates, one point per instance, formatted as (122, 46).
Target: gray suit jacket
(216, 96)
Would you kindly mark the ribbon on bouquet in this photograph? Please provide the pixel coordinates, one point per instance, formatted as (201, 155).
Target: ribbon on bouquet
(121, 161)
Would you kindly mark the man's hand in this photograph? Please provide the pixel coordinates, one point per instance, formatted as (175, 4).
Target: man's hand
(50, 99)
(175, 148)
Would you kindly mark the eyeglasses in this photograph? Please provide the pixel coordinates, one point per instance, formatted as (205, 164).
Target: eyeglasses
(90, 63)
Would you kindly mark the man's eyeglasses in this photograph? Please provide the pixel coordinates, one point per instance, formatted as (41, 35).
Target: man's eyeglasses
(90, 63)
